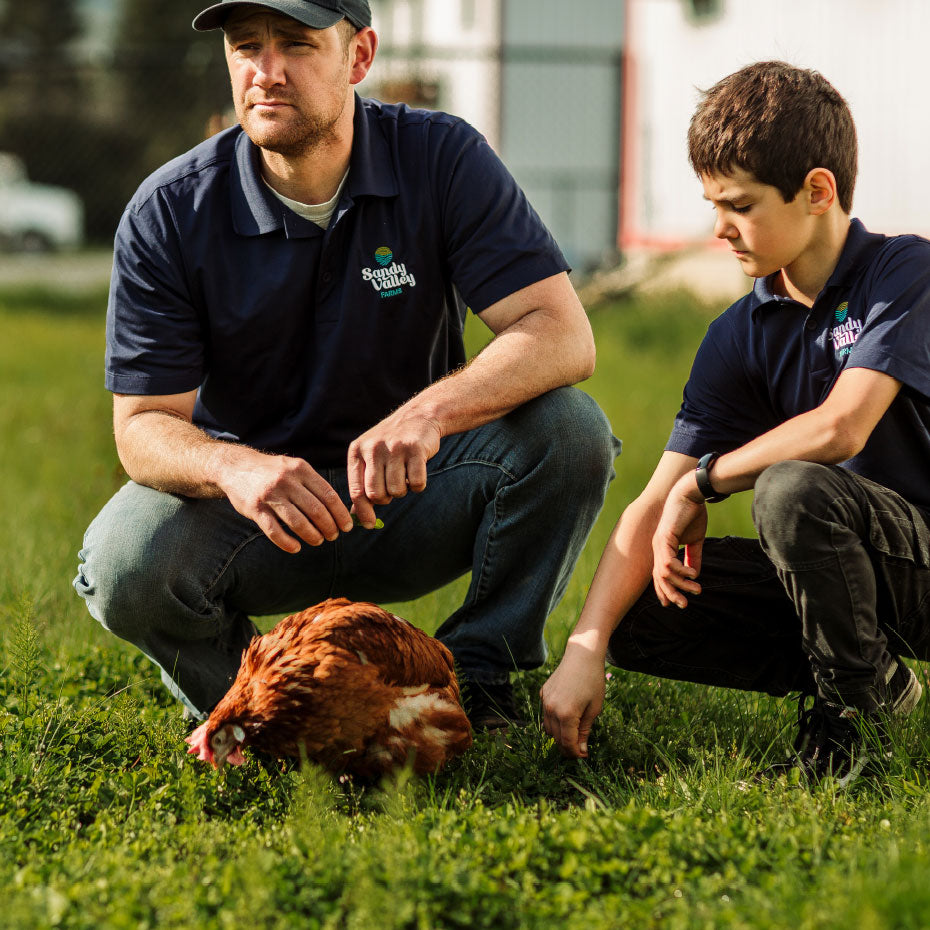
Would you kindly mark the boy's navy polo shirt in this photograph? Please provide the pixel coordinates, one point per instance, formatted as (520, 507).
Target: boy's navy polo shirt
(300, 339)
(770, 358)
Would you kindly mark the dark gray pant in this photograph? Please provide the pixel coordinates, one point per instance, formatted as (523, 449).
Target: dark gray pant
(837, 584)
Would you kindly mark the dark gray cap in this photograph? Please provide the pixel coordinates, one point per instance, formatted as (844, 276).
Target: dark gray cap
(318, 14)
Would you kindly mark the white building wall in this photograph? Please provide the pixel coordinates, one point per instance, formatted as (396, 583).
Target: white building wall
(462, 38)
(875, 54)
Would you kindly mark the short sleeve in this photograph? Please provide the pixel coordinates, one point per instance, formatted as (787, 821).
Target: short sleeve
(155, 343)
(721, 408)
(895, 337)
(496, 243)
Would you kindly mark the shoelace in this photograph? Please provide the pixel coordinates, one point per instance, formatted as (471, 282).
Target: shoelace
(810, 725)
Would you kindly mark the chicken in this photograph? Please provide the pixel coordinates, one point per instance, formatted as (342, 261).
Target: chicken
(344, 684)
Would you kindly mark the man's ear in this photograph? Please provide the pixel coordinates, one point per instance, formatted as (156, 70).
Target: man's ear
(364, 46)
(819, 190)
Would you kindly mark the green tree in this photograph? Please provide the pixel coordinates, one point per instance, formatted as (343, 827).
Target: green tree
(36, 61)
(173, 79)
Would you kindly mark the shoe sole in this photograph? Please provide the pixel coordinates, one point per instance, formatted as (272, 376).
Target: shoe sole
(908, 699)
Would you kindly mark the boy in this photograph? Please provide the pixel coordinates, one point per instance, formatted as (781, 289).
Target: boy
(812, 390)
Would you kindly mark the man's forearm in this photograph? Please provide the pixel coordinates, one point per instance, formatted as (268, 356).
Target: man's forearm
(169, 453)
(534, 355)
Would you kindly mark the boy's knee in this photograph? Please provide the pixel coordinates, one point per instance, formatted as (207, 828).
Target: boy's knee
(790, 501)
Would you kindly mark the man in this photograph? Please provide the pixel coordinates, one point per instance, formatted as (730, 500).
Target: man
(284, 337)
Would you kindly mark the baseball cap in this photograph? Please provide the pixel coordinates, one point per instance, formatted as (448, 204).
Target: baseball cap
(318, 14)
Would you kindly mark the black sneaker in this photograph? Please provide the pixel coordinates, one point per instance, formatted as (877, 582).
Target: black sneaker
(832, 740)
(901, 691)
(490, 707)
(844, 741)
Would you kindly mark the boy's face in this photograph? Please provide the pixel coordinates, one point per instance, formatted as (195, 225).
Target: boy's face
(764, 233)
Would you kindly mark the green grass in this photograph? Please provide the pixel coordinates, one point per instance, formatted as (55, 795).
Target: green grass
(104, 823)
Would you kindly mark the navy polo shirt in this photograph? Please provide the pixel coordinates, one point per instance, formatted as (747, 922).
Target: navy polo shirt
(769, 358)
(299, 339)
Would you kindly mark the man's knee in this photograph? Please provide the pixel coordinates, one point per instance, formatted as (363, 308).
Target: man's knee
(127, 560)
(568, 431)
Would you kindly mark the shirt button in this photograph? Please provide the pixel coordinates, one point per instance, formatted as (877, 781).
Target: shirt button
(811, 323)
(327, 277)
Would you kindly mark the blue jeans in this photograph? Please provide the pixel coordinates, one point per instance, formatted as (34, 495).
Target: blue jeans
(513, 501)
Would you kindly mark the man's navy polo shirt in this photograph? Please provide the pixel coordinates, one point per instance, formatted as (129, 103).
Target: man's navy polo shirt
(770, 358)
(300, 339)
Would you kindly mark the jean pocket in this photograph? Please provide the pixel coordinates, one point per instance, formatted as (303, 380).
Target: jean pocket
(900, 537)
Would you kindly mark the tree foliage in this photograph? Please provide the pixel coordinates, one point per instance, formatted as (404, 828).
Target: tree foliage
(100, 124)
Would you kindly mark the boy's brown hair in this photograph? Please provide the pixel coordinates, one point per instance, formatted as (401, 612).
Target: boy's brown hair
(777, 122)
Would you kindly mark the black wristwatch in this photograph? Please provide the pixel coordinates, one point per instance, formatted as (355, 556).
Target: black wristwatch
(703, 479)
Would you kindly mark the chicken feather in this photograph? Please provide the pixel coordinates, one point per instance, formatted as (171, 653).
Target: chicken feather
(347, 685)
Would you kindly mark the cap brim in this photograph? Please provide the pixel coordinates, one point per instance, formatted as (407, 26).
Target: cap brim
(316, 17)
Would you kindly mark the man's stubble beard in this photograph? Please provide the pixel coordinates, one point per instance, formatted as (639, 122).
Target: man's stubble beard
(297, 138)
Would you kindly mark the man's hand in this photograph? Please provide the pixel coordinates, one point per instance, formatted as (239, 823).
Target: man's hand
(683, 522)
(572, 698)
(281, 493)
(390, 459)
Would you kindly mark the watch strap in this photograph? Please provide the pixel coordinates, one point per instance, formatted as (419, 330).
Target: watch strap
(702, 478)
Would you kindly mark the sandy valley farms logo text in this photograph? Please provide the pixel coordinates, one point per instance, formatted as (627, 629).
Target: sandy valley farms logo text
(846, 332)
(390, 277)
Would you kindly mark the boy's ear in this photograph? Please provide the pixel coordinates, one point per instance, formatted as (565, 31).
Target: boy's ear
(820, 190)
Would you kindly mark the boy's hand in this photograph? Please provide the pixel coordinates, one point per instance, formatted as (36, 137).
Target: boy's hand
(683, 523)
(571, 700)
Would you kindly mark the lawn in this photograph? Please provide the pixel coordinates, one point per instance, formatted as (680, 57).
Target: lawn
(105, 824)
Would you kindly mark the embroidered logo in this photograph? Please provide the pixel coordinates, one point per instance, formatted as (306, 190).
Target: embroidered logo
(390, 278)
(846, 332)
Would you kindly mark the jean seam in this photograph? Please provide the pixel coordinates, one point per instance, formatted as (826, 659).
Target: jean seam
(485, 462)
(224, 567)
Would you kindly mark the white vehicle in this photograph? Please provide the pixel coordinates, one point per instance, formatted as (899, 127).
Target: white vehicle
(36, 217)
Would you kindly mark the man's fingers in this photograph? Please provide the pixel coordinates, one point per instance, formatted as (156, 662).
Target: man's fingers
(395, 477)
(302, 527)
(416, 474)
(331, 504)
(268, 524)
(364, 511)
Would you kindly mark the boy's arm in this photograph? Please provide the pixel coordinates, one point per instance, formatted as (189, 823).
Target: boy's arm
(831, 433)
(574, 694)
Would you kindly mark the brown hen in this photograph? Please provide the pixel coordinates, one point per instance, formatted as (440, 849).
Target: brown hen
(344, 684)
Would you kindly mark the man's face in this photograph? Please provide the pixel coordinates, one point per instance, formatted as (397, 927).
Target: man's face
(763, 232)
(290, 83)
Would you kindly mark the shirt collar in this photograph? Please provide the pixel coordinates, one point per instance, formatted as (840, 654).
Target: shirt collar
(858, 245)
(257, 211)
